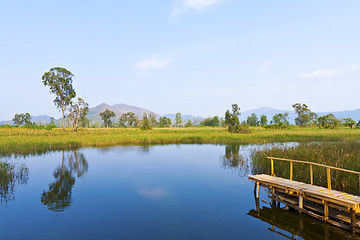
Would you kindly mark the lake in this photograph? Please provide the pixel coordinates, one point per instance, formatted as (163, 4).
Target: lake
(146, 192)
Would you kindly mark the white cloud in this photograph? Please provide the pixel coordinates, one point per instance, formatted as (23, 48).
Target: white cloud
(265, 66)
(153, 193)
(151, 64)
(199, 4)
(185, 5)
(354, 67)
(327, 73)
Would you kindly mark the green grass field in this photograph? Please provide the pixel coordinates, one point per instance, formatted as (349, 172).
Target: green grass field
(25, 141)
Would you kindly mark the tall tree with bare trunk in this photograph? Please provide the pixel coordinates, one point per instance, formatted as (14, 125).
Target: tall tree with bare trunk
(59, 81)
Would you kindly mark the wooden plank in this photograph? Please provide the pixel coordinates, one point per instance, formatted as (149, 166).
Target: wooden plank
(294, 186)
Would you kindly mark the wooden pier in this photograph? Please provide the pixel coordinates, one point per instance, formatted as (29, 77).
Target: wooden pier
(331, 206)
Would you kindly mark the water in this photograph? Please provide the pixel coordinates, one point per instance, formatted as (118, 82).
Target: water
(155, 192)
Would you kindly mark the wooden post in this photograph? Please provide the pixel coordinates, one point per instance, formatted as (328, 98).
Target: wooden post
(301, 201)
(257, 204)
(311, 175)
(291, 170)
(257, 189)
(326, 211)
(353, 221)
(273, 202)
(272, 167)
(328, 177)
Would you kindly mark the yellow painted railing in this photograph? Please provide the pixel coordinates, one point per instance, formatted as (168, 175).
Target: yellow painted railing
(311, 164)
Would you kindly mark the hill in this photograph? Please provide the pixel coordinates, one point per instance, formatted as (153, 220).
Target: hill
(118, 109)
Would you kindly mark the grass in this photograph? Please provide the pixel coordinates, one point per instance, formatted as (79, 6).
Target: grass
(28, 141)
(344, 155)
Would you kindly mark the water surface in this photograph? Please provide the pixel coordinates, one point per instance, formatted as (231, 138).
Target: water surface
(153, 192)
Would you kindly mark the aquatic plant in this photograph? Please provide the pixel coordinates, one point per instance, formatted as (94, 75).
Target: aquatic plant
(344, 155)
(10, 176)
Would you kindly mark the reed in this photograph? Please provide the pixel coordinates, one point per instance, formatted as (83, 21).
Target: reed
(27, 141)
(344, 155)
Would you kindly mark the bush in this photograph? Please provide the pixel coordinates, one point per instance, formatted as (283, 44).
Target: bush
(38, 127)
(242, 128)
(276, 126)
(6, 126)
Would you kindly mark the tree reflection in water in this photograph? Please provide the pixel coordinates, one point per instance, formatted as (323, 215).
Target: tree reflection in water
(234, 159)
(59, 195)
(11, 175)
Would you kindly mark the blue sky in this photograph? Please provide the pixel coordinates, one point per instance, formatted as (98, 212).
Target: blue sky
(189, 56)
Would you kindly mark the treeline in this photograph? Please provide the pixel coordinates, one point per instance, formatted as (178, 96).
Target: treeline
(148, 121)
(76, 117)
(305, 118)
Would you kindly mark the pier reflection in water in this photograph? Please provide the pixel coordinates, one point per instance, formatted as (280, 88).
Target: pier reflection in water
(292, 225)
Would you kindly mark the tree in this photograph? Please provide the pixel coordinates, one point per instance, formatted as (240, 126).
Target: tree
(85, 122)
(349, 122)
(232, 121)
(206, 122)
(178, 120)
(106, 117)
(164, 122)
(52, 121)
(128, 119)
(196, 121)
(280, 119)
(78, 111)
(252, 120)
(305, 116)
(327, 121)
(211, 122)
(22, 119)
(152, 119)
(145, 123)
(189, 123)
(60, 82)
(215, 122)
(263, 120)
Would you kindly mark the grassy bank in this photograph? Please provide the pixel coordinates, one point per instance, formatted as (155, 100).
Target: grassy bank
(24, 141)
(344, 155)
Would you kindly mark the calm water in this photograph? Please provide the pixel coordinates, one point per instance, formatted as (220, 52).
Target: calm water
(156, 192)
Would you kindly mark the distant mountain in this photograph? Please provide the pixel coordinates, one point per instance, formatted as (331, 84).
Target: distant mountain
(118, 109)
(41, 118)
(183, 117)
(354, 114)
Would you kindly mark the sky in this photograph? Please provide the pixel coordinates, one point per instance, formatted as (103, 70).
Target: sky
(190, 56)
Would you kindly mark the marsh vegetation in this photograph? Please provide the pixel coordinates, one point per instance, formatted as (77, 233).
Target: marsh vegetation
(344, 155)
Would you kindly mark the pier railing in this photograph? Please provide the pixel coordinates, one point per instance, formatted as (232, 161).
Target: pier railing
(311, 164)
